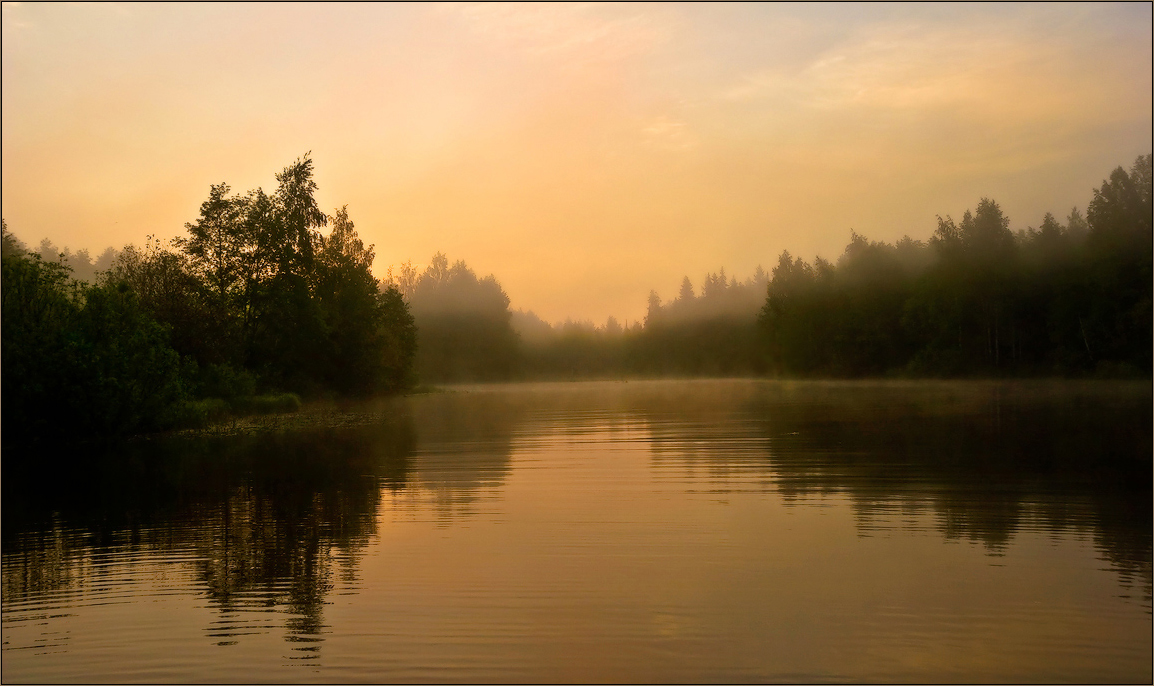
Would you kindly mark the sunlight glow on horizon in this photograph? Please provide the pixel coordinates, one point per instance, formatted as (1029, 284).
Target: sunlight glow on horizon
(584, 154)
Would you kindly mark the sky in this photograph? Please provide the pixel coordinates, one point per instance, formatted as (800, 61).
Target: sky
(582, 153)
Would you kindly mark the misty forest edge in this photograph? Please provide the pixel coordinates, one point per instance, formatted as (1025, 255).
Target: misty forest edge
(255, 308)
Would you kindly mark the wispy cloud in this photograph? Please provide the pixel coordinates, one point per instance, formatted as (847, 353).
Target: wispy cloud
(906, 67)
(903, 67)
(1001, 82)
(14, 16)
(670, 134)
(583, 30)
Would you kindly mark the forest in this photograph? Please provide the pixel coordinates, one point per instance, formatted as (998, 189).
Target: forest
(267, 299)
(254, 307)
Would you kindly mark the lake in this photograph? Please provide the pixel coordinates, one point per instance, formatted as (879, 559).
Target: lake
(642, 531)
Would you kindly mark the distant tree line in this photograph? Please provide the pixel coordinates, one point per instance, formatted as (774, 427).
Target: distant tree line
(711, 334)
(466, 331)
(574, 349)
(463, 322)
(1063, 299)
(977, 299)
(254, 299)
(80, 263)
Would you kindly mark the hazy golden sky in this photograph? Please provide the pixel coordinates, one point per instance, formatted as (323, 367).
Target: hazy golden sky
(582, 153)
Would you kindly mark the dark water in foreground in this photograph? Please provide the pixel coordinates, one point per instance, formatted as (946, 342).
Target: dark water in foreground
(645, 531)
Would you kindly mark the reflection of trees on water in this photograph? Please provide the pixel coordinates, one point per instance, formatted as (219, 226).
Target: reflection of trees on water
(269, 519)
(465, 439)
(273, 521)
(44, 562)
(987, 458)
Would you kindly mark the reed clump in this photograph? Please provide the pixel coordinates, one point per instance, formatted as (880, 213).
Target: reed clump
(198, 414)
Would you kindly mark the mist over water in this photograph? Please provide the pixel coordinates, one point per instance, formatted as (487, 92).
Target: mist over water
(724, 530)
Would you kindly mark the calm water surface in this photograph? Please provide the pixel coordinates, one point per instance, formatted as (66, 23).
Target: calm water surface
(696, 531)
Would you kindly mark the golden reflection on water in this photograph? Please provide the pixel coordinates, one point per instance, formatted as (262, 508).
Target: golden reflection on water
(657, 531)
